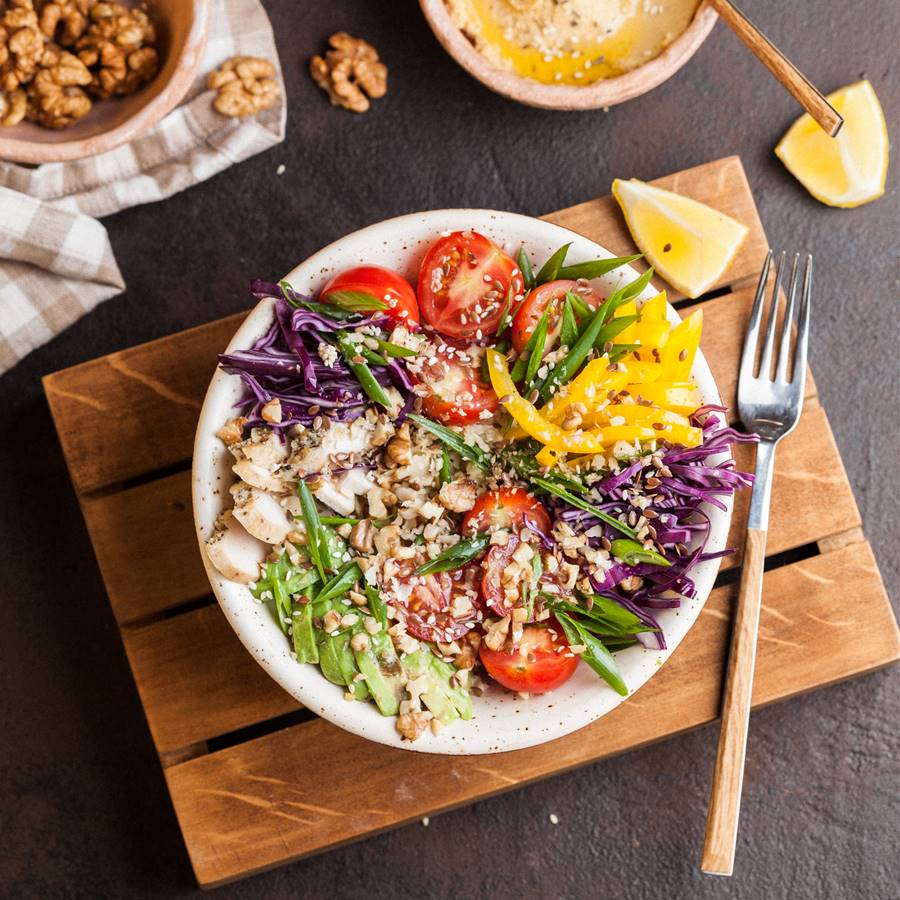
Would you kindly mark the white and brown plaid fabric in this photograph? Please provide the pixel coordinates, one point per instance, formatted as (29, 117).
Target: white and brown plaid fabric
(56, 263)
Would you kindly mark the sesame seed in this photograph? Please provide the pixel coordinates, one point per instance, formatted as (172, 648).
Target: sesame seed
(554, 819)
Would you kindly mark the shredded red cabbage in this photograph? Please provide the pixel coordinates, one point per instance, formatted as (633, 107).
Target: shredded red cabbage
(285, 364)
(680, 521)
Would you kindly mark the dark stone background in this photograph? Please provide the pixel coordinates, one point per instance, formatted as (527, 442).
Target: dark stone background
(83, 807)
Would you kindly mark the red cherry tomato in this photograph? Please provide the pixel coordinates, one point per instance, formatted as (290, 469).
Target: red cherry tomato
(500, 598)
(456, 393)
(463, 284)
(505, 508)
(529, 313)
(536, 666)
(383, 284)
(440, 607)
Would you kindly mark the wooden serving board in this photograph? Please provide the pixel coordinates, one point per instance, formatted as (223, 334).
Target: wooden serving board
(255, 780)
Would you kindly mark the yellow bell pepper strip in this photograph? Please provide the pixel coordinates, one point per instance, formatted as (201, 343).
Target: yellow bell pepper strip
(655, 309)
(678, 396)
(635, 414)
(545, 432)
(547, 457)
(679, 434)
(589, 388)
(677, 355)
(629, 335)
(653, 329)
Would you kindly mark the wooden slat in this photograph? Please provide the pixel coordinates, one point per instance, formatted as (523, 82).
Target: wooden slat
(721, 184)
(145, 546)
(135, 411)
(197, 681)
(297, 791)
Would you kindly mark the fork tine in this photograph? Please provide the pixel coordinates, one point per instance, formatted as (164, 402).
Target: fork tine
(785, 344)
(799, 377)
(765, 361)
(752, 337)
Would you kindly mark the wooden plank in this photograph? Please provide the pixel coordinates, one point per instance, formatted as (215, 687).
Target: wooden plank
(135, 411)
(297, 791)
(808, 468)
(145, 545)
(197, 681)
(721, 184)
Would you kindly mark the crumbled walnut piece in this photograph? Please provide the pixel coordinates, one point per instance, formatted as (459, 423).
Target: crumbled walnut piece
(21, 45)
(56, 96)
(65, 21)
(232, 432)
(359, 642)
(399, 448)
(246, 85)
(362, 536)
(349, 71)
(412, 724)
(13, 106)
(458, 496)
(118, 41)
(496, 634)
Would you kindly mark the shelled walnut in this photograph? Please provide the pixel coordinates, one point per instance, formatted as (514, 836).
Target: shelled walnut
(21, 44)
(65, 21)
(13, 106)
(349, 71)
(116, 46)
(246, 85)
(56, 96)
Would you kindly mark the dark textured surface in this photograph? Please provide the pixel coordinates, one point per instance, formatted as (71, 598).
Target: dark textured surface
(83, 807)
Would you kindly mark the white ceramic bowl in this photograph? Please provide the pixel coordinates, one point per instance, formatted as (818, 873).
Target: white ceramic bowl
(502, 722)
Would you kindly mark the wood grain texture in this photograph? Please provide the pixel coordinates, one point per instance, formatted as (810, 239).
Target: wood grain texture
(144, 400)
(197, 681)
(721, 184)
(297, 791)
(728, 776)
(787, 74)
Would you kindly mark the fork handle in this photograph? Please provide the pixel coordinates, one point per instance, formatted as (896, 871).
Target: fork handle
(725, 799)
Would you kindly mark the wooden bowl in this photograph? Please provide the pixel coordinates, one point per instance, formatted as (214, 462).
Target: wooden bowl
(606, 92)
(181, 37)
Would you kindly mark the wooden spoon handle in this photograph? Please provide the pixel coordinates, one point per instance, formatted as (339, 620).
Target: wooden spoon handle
(780, 66)
(728, 778)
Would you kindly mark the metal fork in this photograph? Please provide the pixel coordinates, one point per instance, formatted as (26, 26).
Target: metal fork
(770, 407)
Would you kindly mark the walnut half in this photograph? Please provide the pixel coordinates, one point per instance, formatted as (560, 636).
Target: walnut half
(349, 71)
(246, 85)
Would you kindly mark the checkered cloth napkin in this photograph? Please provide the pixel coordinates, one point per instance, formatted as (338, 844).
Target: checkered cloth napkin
(56, 262)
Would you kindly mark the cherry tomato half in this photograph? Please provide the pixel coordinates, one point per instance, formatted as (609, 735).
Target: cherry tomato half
(440, 607)
(463, 284)
(499, 597)
(536, 666)
(456, 393)
(505, 508)
(529, 313)
(383, 284)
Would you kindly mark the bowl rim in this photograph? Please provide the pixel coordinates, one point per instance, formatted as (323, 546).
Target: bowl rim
(258, 631)
(602, 93)
(38, 152)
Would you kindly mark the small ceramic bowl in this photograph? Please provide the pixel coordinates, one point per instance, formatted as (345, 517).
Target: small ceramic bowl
(606, 92)
(502, 721)
(181, 38)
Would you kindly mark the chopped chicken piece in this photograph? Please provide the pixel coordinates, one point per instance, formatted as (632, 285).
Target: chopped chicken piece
(262, 515)
(258, 476)
(234, 552)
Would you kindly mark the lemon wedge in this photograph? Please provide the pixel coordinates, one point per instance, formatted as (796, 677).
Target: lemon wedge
(688, 243)
(847, 170)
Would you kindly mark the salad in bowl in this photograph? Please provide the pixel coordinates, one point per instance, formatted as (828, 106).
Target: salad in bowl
(462, 481)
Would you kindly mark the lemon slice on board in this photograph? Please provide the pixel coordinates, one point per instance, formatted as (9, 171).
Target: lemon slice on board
(688, 243)
(847, 170)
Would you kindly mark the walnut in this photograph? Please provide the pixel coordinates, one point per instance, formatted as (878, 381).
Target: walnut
(412, 725)
(22, 45)
(349, 71)
(65, 21)
(246, 85)
(13, 106)
(458, 496)
(56, 98)
(232, 431)
(399, 448)
(117, 44)
(362, 536)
